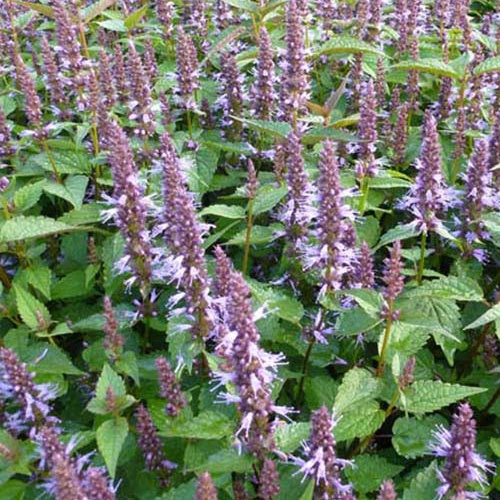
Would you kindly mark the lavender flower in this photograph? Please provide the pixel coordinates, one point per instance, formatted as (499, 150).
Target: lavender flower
(294, 85)
(387, 491)
(140, 94)
(96, 485)
(165, 13)
(393, 279)
(380, 83)
(6, 149)
(223, 15)
(150, 64)
(129, 211)
(252, 370)
(17, 383)
(187, 69)
(183, 235)
(170, 388)
(198, 18)
(205, 489)
(151, 446)
(367, 131)
(113, 341)
(223, 270)
(462, 466)
(412, 88)
(119, 73)
(494, 148)
(428, 198)
(321, 462)
(479, 195)
(262, 93)
(66, 484)
(269, 485)
(401, 24)
(407, 377)
(54, 79)
(231, 97)
(326, 13)
(105, 78)
(364, 276)
(401, 134)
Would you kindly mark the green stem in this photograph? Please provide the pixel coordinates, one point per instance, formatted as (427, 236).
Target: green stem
(300, 391)
(248, 236)
(421, 262)
(365, 189)
(385, 343)
(189, 123)
(52, 162)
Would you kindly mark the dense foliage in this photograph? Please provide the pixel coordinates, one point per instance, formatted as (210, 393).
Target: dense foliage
(249, 249)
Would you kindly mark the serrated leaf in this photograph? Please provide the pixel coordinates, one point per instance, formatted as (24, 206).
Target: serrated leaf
(133, 19)
(114, 25)
(28, 196)
(67, 161)
(72, 191)
(50, 360)
(434, 66)
(411, 436)
(109, 378)
(370, 472)
(357, 385)
(86, 214)
(39, 277)
(258, 236)
(207, 425)
(96, 9)
(289, 436)
(274, 129)
(424, 485)
(355, 321)
(321, 133)
(490, 315)
(360, 421)
(490, 65)
(449, 288)
(309, 491)
(127, 364)
(239, 148)
(27, 227)
(425, 396)
(267, 198)
(226, 211)
(347, 45)
(387, 182)
(370, 301)
(28, 306)
(110, 437)
(38, 7)
(226, 461)
(402, 232)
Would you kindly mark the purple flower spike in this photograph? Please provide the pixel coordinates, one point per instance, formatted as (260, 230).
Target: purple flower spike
(294, 85)
(393, 279)
(387, 491)
(262, 93)
(6, 149)
(187, 69)
(364, 276)
(367, 131)
(170, 388)
(429, 197)
(113, 341)
(269, 485)
(205, 489)
(321, 462)
(96, 485)
(165, 13)
(462, 466)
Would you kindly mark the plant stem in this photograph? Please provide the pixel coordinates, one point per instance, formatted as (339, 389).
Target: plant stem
(365, 188)
(52, 162)
(420, 271)
(385, 342)
(248, 236)
(300, 391)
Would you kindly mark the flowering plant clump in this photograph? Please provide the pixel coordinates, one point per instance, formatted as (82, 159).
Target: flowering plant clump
(249, 249)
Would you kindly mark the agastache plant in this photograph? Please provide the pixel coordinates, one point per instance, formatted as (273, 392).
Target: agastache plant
(187, 69)
(262, 92)
(463, 466)
(170, 388)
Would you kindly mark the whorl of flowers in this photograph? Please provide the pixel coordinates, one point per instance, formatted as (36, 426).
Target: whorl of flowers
(252, 370)
(113, 341)
(367, 131)
(479, 195)
(105, 78)
(429, 197)
(269, 485)
(96, 485)
(223, 16)
(463, 466)
(6, 149)
(197, 18)
(170, 388)
(53, 79)
(387, 491)
(262, 92)
(320, 459)
(130, 208)
(140, 94)
(363, 275)
(150, 64)
(331, 253)
(205, 490)
(400, 135)
(165, 13)
(326, 12)
(187, 69)
(183, 235)
(401, 24)
(231, 94)
(494, 147)
(119, 73)
(17, 383)
(151, 446)
(294, 85)
(394, 280)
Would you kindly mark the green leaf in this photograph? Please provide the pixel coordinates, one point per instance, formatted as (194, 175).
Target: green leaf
(127, 364)
(39, 277)
(109, 378)
(71, 285)
(226, 211)
(226, 461)
(370, 301)
(207, 425)
(200, 177)
(239, 148)
(387, 182)
(289, 436)
(434, 66)
(274, 129)
(50, 360)
(402, 232)
(449, 288)
(490, 315)
(347, 45)
(97, 8)
(67, 161)
(28, 196)
(425, 396)
(360, 421)
(370, 472)
(319, 134)
(114, 25)
(26, 227)
(267, 198)
(355, 321)
(86, 214)
(357, 385)
(28, 306)
(411, 436)
(244, 5)
(133, 19)
(424, 485)
(309, 492)
(258, 236)
(110, 437)
(490, 65)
